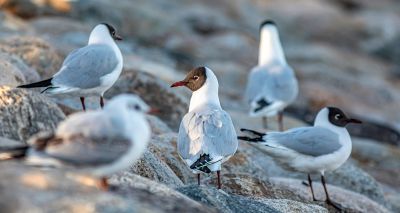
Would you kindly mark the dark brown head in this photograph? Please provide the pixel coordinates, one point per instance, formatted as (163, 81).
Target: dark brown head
(113, 32)
(194, 80)
(338, 118)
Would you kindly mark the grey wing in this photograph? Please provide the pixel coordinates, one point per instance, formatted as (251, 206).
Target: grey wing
(313, 141)
(220, 137)
(183, 137)
(84, 151)
(255, 84)
(84, 67)
(211, 132)
(281, 84)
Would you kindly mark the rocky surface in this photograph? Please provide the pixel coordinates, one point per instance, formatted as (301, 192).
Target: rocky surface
(25, 113)
(347, 57)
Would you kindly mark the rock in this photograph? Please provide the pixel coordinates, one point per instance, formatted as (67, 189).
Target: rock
(380, 160)
(31, 8)
(62, 191)
(9, 74)
(150, 166)
(154, 92)
(234, 203)
(352, 202)
(16, 71)
(34, 52)
(24, 113)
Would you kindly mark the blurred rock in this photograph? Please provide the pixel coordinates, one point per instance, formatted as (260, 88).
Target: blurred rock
(24, 113)
(32, 8)
(61, 191)
(15, 66)
(352, 202)
(154, 92)
(35, 52)
(225, 202)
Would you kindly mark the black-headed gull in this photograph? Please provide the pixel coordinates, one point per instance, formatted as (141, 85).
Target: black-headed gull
(317, 149)
(96, 143)
(207, 137)
(271, 85)
(88, 71)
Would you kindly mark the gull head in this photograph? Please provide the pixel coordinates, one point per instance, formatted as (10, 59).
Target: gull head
(130, 103)
(197, 78)
(334, 116)
(103, 31)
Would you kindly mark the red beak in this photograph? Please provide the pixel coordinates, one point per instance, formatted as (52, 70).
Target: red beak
(153, 111)
(179, 84)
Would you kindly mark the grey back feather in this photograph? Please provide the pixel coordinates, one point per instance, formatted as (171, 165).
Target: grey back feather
(313, 141)
(84, 67)
(209, 131)
(274, 82)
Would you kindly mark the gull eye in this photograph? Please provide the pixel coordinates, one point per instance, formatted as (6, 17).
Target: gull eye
(137, 107)
(338, 116)
(196, 77)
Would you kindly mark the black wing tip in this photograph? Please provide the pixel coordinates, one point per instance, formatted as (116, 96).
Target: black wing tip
(44, 83)
(201, 163)
(14, 152)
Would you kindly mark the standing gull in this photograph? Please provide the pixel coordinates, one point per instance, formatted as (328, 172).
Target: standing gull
(271, 85)
(323, 147)
(207, 137)
(96, 143)
(88, 71)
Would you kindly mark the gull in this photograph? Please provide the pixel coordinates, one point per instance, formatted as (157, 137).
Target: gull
(97, 143)
(317, 149)
(206, 137)
(271, 85)
(88, 71)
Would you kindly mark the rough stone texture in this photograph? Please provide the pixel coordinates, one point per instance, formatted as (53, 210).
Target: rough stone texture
(154, 92)
(151, 167)
(24, 113)
(20, 186)
(9, 74)
(352, 202)
(29, 74)
(34, 52)
(225, 202)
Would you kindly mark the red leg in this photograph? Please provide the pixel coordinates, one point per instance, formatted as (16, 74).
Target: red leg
(101, 102)
(103, 184)
(280, 121)
(310, 185)
(219, 179)
(198, 179)
(83, 103)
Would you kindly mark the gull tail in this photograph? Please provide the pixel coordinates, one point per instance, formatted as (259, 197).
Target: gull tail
(44, 83)
(13, 152)
(259, 136)
(202, 163)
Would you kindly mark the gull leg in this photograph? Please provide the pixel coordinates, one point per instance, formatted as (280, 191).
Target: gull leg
(219, 179)
(310, 185)
(328, 199)
(265, 122)
(280, 120)
(198, 179)
(101, 102)
(83, 103)
(103, 184)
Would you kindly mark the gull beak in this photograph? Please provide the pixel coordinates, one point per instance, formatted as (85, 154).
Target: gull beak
(153, 111)
(352, 120)
(179, 84)
(117, 37)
